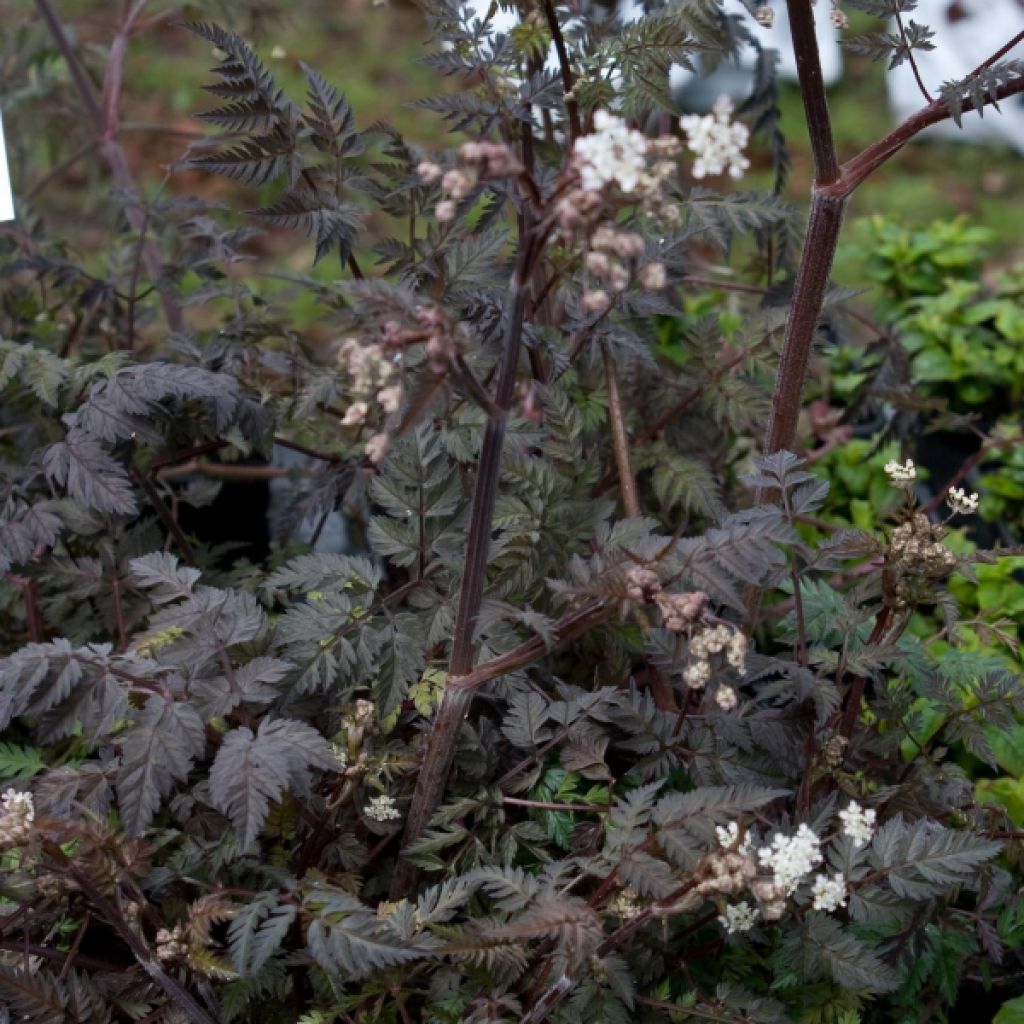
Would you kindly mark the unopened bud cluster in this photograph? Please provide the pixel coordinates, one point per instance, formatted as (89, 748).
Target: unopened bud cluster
(429, 327)
(626, 905)
(17, 813)
(613, 257)
(477, 161)
(171, 944)
(917, 548)
(371, 373)
(687, 613)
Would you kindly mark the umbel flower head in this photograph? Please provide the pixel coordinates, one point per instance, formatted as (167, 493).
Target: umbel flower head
(829, 893)
(382, 808)
(613, 154)
(961, 503)
(858, 824)
(717, 140)
(901, 474)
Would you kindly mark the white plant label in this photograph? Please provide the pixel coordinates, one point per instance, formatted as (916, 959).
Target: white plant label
(6, 196)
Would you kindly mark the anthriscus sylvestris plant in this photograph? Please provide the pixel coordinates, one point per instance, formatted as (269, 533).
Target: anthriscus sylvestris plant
(574, 723)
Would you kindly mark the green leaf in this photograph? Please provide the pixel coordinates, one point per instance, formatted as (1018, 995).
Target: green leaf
(1011, 1012)
(19, 762)
(1007, 792)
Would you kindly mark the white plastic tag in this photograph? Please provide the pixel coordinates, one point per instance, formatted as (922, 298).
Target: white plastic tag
(6, 196)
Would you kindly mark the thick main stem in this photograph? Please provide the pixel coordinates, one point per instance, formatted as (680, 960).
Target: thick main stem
(820, 243)
(444, 733)
(833, 186)
(812, 90)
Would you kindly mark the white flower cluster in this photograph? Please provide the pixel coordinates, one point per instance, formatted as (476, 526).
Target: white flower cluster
(382, 808)
(901, 473)
(714, 640)
(739, 918)
(829, 893)
(792, 858)
(17, 812)
(790, 861)
(613, 154)
(616, 164)
(961, 503)
(858, 824)
(717, 141)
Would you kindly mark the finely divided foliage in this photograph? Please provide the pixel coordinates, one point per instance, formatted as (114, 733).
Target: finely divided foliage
(552, 699)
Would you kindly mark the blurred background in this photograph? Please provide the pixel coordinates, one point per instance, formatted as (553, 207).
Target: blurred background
(373, 51)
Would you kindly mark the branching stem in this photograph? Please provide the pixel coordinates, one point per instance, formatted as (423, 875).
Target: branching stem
(833, 184)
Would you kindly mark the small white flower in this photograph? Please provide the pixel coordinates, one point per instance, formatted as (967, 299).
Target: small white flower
(901, 473)
(764, 15)
(717, 141)
(729, 834)
(858, 824)
(791, 858)
(839, 18)
(829, 893)
(613, 153)
(960, 502)
(725, 698)
(445, 211)
(382, 808)
(278, 53)
(739, 918)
